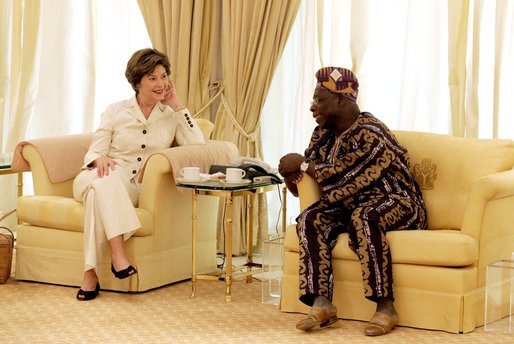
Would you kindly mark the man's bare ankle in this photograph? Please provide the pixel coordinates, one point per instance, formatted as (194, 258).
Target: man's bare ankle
(386, 306)
(323, 301)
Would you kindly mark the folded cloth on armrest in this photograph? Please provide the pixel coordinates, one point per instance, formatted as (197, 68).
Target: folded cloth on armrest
(63, 156)
(213, 152)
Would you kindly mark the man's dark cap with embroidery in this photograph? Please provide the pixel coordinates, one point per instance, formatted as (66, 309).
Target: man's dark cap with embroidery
(339, 80)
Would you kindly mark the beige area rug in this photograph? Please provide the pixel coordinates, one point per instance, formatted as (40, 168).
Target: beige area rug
(42, 313)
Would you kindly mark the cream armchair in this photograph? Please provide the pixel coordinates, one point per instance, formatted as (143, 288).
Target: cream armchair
(439, 274)
(50, 234)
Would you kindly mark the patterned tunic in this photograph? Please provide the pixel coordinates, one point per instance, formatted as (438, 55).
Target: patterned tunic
(367, 190)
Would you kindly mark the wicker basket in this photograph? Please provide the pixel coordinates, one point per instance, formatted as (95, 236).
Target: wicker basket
(6, 250)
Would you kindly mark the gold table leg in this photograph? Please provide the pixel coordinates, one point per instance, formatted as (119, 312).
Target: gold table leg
(193, 246)
(228, 247)
(284, 209)
(20, 184)
(249, 237)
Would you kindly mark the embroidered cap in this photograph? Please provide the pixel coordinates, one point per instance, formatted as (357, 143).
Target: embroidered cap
(339, 80)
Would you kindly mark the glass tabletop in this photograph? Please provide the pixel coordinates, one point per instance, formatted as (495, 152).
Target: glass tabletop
(221, 185)
(5, 160)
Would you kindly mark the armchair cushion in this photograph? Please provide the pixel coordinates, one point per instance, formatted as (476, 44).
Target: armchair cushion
(454, 249)
(67, 214)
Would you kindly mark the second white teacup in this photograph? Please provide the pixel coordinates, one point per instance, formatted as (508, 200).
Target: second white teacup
(234, 175)
(190, 173)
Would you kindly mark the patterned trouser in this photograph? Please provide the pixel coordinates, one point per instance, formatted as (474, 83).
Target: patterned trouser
(319, 227)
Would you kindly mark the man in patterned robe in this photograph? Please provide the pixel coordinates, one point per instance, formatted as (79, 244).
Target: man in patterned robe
(367, 190)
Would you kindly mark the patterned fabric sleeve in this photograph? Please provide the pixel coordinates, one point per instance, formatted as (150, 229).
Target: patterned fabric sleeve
(357, 170)
(359, 161)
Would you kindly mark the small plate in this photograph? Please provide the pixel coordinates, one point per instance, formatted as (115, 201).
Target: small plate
(192, 181)
(240, 182)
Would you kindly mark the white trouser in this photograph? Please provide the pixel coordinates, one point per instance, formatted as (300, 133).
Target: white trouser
(109, 210)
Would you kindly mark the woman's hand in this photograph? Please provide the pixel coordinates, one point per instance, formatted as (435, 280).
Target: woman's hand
(171, 98)
(103, 164)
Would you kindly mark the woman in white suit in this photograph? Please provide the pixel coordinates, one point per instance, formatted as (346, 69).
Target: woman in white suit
(130, 131)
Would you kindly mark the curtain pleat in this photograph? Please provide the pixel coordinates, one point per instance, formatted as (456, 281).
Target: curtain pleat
(503, 7)
(457, 50)
(25, 65)
(470, 128)
(185, 30)
(253, 38)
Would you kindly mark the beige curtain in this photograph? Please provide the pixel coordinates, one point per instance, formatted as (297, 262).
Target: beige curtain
(478, 42)
(468, 39)
(457, 49)
(23, 56)
(254, 34)
(503, 30)
(253, 37)
(470, 127)
(359, 34)
(19, 23)
(187, 31)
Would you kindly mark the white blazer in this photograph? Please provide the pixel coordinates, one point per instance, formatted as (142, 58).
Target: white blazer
(127, 137)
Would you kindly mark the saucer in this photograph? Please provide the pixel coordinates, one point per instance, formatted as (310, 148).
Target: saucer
(199, 180)
(239, 182)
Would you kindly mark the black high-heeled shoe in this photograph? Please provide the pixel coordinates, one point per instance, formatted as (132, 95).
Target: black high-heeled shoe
(83, 295)
(125, 272)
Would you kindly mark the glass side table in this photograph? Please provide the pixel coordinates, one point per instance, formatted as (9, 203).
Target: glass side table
(272, 267)
(499, 297)
(228, 192)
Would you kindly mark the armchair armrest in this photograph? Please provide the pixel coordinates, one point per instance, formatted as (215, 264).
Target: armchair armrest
(54, 162)
(486, 189)
(171, 160)
(308, 191)
(488, 218)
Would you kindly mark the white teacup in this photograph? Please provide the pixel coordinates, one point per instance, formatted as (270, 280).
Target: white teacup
(190, 173)
(234, 175)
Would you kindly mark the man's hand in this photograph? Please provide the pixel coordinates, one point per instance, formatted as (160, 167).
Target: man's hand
(294, 177)
(103, 164)
(291, 186)
(289, 168)
(290, 163)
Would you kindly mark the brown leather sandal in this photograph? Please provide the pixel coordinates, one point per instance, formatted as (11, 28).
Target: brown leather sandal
(381, 324)
(318, 317)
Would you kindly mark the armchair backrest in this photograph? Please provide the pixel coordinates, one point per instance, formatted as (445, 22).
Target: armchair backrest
(446, 167)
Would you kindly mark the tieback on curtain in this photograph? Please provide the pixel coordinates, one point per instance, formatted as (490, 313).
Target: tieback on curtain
(250, 137)
(213, 86)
